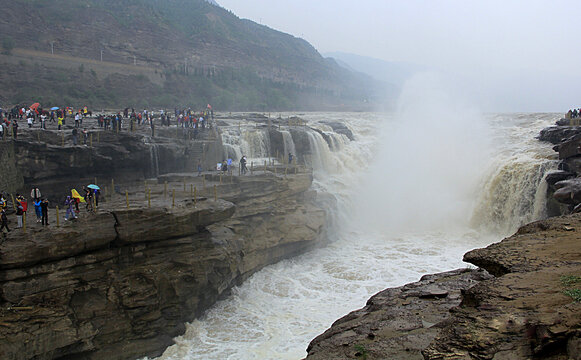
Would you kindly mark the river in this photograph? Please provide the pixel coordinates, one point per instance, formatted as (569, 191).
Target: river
(414, 191)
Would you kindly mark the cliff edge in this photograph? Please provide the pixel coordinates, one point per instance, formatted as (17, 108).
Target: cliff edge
(522, 303)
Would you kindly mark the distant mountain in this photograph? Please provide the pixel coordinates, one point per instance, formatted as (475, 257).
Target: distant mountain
(392, 72)
(151, 52)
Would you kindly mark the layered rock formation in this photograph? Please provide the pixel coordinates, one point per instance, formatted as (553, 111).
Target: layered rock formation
(119, 284)
(527, 310)
(564, 183)
(49, 160)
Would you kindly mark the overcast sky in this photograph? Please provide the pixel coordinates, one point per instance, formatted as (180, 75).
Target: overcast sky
(516, 55)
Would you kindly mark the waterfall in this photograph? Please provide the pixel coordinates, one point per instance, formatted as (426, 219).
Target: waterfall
(289, 145)
(254, 143)
(153, 159)
(513, 193)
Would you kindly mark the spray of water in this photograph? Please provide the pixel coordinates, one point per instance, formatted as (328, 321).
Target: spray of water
(429, 163)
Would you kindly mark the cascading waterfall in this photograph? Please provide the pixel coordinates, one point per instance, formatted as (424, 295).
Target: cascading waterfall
(153, 159)
(514, 195)
(289, 144)
(411, 199)
(249, 141)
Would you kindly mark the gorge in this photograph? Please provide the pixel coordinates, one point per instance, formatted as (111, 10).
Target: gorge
(259, 220)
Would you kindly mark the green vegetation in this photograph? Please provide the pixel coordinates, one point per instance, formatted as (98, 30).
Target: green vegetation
(360, 351)
(571, 282)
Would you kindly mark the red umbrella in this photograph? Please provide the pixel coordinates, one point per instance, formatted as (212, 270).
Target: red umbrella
(34, 106)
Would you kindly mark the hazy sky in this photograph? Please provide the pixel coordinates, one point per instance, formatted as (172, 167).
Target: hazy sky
(516, 55)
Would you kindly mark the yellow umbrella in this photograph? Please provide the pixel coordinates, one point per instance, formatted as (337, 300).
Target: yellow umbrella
(77, 196)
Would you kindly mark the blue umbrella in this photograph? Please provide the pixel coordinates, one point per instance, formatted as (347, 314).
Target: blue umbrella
(93, 186)
(55, 108)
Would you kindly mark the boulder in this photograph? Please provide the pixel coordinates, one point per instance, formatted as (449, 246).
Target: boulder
(396, 323)
(568, 191)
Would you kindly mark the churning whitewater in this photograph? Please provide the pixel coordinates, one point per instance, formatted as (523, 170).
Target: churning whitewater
(413, 192)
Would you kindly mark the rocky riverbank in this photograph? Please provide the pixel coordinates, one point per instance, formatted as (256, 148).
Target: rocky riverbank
(515, 306)
(522, 302)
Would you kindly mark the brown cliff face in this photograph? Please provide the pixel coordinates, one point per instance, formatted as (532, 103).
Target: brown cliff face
(522, 312)
(120, 284)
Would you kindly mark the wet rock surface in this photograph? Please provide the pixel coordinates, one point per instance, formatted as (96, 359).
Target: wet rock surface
(121, 283)
(396, 323)
(522, 312)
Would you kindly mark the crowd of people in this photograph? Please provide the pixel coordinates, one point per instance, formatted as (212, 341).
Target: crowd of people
(572, 114)
(36, 116)
(71, 203)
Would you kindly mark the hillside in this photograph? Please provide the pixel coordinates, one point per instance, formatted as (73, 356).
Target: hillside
(178, 51)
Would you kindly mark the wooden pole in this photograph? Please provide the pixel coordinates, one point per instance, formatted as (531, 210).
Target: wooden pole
(127, 199)
(112, 187)
(165, 189)
(251, 167)
(215, 193)
(204, 181)
(24, 222)
(220, 178)
(98, 137)
(191, 190)
(195, 196)
(149, 198)
(173, 197)
(91, 139)
(264, 166)
(58, 223)
(63, 139)
(184, 184)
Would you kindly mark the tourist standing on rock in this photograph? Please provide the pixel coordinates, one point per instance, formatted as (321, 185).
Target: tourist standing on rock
(19, 213)
(15, 128)
(38, 209)
(77, 120)
(69, 203)
(152, 125)
(243, 168)
(75, 134)
(3, 221)
(60, 122)
(97, 195)
(199, 168)
(44, 209)
(290, 158)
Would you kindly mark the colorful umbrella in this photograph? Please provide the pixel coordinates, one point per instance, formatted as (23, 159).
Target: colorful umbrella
(93, 186)
(76, 195)
(55, 108)
(34, 106)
